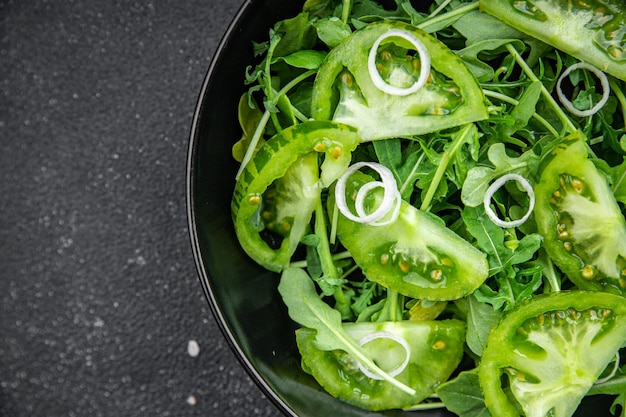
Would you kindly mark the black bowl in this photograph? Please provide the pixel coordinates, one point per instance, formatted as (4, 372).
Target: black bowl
(243, 296)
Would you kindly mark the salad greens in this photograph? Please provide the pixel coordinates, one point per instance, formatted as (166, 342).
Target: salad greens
(441, 188)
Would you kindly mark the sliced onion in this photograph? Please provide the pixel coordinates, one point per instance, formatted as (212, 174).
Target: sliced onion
(496, 186)
(391, 196)
(360, 203)
(386, 335)
(424, 61)
(604, 81)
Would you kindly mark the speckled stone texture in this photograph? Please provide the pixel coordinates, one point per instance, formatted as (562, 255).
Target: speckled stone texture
(100, 304)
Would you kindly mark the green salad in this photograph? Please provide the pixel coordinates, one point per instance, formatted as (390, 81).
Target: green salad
(441, 189)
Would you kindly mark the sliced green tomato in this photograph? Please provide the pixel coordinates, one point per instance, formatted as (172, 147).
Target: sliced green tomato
(436, 349)
(576, 212)
(452, 97)
(276, 193)
(593, 31)
(416, 256)
(544, 356)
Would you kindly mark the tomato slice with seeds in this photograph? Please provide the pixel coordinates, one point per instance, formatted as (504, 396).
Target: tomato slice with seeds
(277, 190)
(344, 90)
(593, 31)
(417, 255)
(576, 212)
(544, 356)
(436, 349)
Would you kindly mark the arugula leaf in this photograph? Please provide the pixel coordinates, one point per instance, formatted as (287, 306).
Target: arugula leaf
(523, 111)
(370, 10)
(481, 317)
(306, 58)
(407, 165)
(306, 308)
(462, 395)
(297, 34)
(477, 26)
(514, 282)
(487, 49)
(367, 292)
(332, 30)
(320, 7)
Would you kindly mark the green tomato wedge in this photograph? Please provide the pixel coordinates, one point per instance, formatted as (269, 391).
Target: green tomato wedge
(576, 212)
(593, 31)
(436, 349)
(544, 356)
(344, 90)
(277, 190)
(417, 255)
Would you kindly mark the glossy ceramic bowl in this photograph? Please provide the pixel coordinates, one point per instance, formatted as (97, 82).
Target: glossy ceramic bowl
(243, 296)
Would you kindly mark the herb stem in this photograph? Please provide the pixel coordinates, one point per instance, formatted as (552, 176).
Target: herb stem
(345, 10)
(258, 132)
(269, 90)
(336, 257)
(390, 309)
(544, 91)
(323, 248)
(511, 100)
(620, 96)
(548, 272)
(426, 406)
(439, 9)
(448, 154)
(260, 128)
(458, 12)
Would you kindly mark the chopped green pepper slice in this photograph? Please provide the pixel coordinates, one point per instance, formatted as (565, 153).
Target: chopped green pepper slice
(416, 255)
(344, 90)
(544, 356)
(592, 30)
(277, 190)
(576, 212)
(436, 348)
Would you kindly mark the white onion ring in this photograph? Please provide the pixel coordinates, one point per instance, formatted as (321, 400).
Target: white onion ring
(390, 195)
(605, 89)
(496, 186)
(359, 203)
(386, 335)
(424, 61)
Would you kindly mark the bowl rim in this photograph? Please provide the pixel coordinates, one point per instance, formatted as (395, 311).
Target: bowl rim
(203, 276)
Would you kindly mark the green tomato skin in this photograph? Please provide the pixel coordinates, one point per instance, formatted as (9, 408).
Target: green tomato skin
(576, 213)
(592, 31)
(552, 348)
(436, 351)
(289, 162)
(378, 115)
(417, 255)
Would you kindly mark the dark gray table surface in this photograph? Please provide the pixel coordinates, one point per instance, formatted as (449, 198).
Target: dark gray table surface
(99, 296)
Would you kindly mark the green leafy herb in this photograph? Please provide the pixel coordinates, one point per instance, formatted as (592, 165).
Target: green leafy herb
(462, 395)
